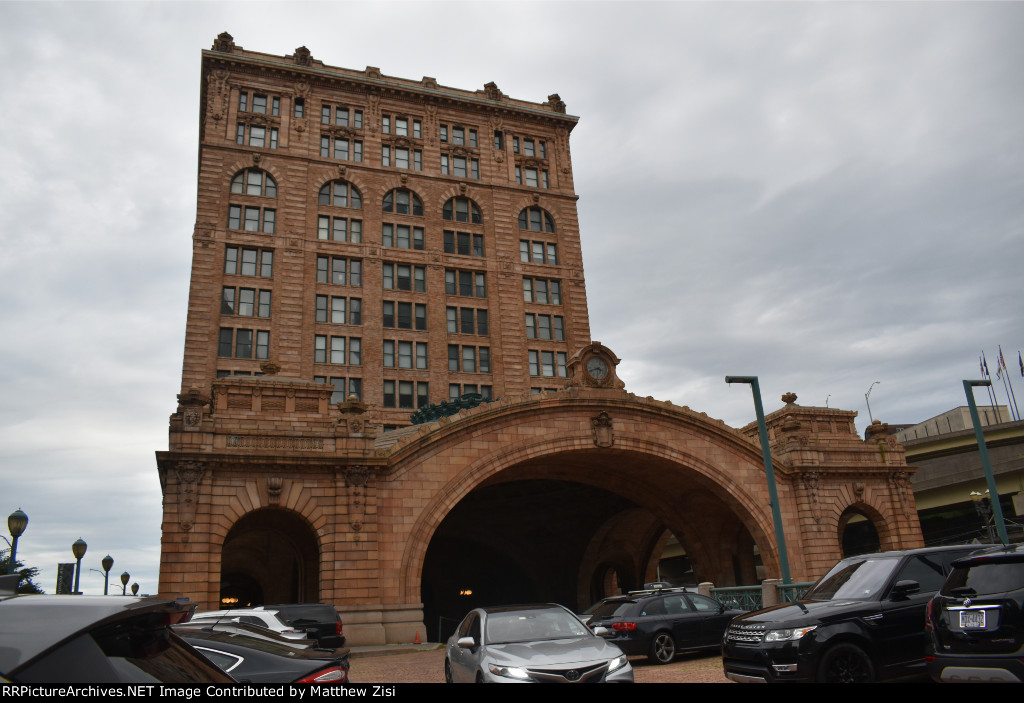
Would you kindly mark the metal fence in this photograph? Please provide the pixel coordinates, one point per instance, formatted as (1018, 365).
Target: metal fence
(751, 597)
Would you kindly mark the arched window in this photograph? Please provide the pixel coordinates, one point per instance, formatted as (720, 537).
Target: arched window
(402, 202)
(536, 219)
(253, 181)
(467, 243)
(534, 251)
(340, 193)
(462, 210)
(339, 227)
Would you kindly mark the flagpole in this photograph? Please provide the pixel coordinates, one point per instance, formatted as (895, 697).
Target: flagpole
(1009, 383)
(992, 397)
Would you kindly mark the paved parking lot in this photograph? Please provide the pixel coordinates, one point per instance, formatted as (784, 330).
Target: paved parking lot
(428, 667)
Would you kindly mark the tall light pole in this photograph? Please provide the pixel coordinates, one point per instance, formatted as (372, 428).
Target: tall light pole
(867, 395)
(16, 523)
(769, 471)
(993, 494)
(78, 549)
(108, 563)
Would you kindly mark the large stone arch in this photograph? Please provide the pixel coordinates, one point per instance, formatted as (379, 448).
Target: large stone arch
(375, 501)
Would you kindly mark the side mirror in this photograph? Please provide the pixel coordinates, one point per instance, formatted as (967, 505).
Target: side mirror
(904, 588)
(466, 642)
(601, 631)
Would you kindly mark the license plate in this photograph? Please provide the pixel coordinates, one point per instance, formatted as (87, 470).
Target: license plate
(972, 619)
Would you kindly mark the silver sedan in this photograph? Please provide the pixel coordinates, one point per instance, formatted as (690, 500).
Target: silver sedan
(531, 644)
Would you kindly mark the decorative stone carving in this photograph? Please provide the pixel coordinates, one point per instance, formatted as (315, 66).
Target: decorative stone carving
(356, 478)
(274, 484)
(270, 368)
(858, 490)
(810, 481)
(555, 103)
(224, 43)
(372, 72)
(220, 93)
(492, 92)
(193, 406)
(601, 424)
(789, 398)
(303, 57)
(189, 474)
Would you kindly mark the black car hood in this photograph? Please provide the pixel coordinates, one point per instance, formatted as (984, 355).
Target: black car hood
(808, 613)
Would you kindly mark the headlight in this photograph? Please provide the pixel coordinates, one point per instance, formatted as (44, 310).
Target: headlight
(617, 663)
(509, 672)
(787, 634)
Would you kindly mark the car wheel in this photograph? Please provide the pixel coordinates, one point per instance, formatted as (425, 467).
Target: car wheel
(447, 671)
(663, 648)
(846, 663)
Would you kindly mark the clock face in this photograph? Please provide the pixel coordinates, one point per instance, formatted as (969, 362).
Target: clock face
(597, 368)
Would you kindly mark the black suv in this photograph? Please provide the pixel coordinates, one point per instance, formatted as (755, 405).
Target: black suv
(976, 622)
(320, 621)
(863, 621)
(662, 622)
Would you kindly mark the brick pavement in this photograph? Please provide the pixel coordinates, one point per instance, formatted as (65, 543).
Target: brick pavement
(428, 667)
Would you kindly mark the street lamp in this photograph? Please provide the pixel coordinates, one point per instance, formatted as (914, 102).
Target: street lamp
(16, 523)
(993, 493)
(78, 549)
(135, 589)
(769, 471)
(107, 562)
(125, 577)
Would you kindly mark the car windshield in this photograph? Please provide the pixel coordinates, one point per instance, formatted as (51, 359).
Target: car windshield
(610, 608)
(532, 626)
(853, 579)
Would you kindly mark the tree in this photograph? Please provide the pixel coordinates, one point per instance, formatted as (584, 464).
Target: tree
(26, 585)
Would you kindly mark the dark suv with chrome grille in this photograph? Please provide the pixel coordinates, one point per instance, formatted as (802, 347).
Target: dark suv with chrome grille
(863, 621)
(976, 622)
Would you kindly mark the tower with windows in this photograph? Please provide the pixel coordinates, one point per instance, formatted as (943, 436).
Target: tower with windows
(400, 241)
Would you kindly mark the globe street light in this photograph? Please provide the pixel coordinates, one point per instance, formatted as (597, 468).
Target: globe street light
(135, 589)
(16, 523)
(125, 577)
(78, 549)
(107, 562)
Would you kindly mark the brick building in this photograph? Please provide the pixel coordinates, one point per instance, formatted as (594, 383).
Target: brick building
(403, 242)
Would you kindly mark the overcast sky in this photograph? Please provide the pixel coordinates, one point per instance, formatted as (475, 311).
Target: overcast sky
(824, 195)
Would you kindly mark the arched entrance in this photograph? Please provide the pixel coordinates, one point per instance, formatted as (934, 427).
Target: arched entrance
(857, 533)
(269, 556)
(553, 528)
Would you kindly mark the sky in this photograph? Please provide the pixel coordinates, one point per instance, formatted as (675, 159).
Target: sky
(824, 195)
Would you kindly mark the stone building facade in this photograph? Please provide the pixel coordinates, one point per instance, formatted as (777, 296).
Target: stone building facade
(287, 486)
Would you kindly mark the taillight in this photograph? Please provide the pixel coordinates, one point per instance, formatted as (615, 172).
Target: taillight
(337, 628)
(929, 615)
(334, 674)
(624, 626)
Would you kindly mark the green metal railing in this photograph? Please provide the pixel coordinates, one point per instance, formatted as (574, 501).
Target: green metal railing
(792, 592)
(739, 597)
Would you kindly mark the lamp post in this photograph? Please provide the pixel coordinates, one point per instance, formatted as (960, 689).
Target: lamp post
(993, 493)
(135, 589)
(78, 549)
(107, 562)
(125, 577)
(16, 523)
(769, 471)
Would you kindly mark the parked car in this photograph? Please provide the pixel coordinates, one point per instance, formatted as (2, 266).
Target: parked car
(320, 620)
(531, 643)
(976, 622)
(862, 621)
(241, 628)
(260, 617)
(97, 639)
(257, 660)
(662, 622)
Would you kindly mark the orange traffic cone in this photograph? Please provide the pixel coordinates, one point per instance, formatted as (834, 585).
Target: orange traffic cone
(417, 640)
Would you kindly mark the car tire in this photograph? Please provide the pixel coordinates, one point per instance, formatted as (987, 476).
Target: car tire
(480, 678)
(846, 663)
(663, 648)
(447, 671)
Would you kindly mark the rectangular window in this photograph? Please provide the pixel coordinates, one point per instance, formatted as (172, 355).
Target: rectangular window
(337, 350)
(257, 136)
(357, 119)
(259, 104)
(355, 311)
(405, 389)
(337, 309)
(355, 350)
(341, 149)
(540, 290)
(465, 283)
(320, 349)
(388, 348)
(243, 344)
(299, 107)
(341, 116)
(252, 260)
(385, 124)
(320, 314)
(224, 344)
(243, 101)
(325, 114)
(227, 301)
(246, 302)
